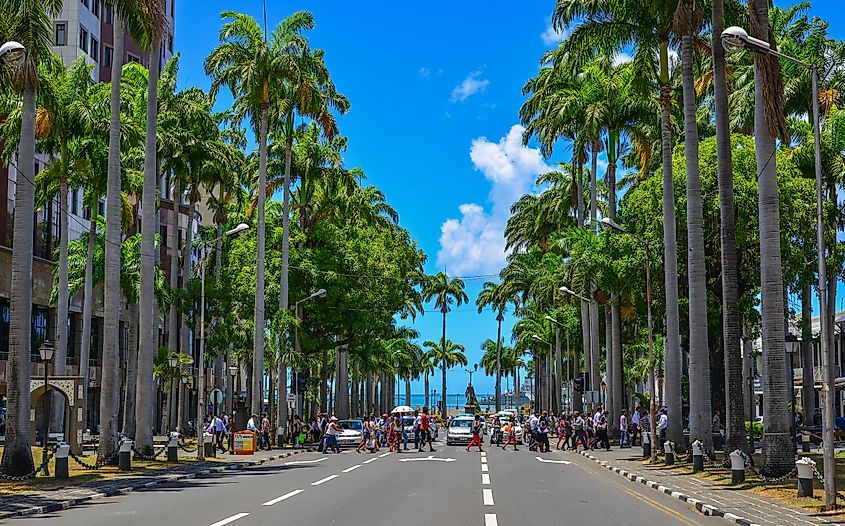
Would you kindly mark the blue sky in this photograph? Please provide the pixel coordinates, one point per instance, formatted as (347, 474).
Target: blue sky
(435, 89)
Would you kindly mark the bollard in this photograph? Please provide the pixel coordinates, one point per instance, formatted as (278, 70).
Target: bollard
(646, 445)
(208, 445)
(125, 459)
(61, 462)
(280, 437)
(669, 451)
(697, 456)
(805, 442)
(805, 476)
(737, 467)
(172, 445)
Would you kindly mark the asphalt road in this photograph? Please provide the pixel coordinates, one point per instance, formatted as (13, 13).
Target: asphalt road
(394, 489)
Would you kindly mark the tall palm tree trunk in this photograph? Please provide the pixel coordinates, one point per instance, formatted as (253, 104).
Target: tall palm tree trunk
(808, 394)
(60, 355)
(175, 415)
(355, 394)
(284, 294)
(585, 306)
(257, 401)
(110, 390)
(558, 387)
(610, 407)
(499, 320)
(595, 346)
(144, 392)
(731, 322)
(187, 333)
(617, 392)
(672, 353)
(17, 456)
(700, 417)
(130, 384)
(324, 381)
(443, 411)
(777, 450)
(87, 313)
(426, 387)
(219, 355)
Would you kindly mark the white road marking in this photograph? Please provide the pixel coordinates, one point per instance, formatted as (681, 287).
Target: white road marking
(488, 496)
(371, 460)
(384, 455)
(485, 478)
(484, 468)
(483, 453)
(430, 457)
(330, 477)
(283, 497)
(541, 459)
(353, 468)
(233, 518)
(297, 462)
(483, 460)
(490, 519)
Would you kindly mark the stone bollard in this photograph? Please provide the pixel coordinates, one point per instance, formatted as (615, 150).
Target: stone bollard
(805, 442)
(62, 453)
(737, 467)
(172, 448)
(646, 445)
(805, 476)
(697, 456)
(669, 452)
(125, 458)
(280, 437)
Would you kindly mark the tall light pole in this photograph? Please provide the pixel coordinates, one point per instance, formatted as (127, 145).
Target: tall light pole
(233, 372)
(201, 354)
(735, 39)
(542, 385)
(46, 352)
(610, 223)
(499, 319)
(298, 315)
(586, 386)
(557, 385)
(173, 362)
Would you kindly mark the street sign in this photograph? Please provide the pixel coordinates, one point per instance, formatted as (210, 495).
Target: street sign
(291, 398)
(216, 396)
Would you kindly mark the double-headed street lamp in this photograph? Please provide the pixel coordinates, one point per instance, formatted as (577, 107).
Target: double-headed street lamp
(735, 39)
(613, 225)
(46, 351)
(201, 354)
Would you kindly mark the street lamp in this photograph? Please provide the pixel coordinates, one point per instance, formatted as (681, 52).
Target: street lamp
(470, 371)
(12, 53)
(736, 39)
(201, 354)
(542, 386)
(297, 312)
(613, 225)
(46, 351)
(173, 362)
(570, 292)
(233, 372)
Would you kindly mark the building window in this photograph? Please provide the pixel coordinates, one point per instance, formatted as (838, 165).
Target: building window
(101, 207)
(4, 328)
(170, 43)
(61, 33)
(83, 39)
(133, 58)
(95, 8)
(109, 14)
(95, 49)
(95, 350)
(173, 9)
(39, 330)
(74, 201)
(108, 53)
(86, 3)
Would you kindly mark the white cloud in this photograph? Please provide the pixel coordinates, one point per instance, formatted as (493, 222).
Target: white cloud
(621, 58)
(471, 85)
(549, 36)
(475, 243)
(425, 72)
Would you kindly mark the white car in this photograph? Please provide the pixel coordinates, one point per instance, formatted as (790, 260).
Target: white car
(460, 431)
(504, 417)
(350, 434)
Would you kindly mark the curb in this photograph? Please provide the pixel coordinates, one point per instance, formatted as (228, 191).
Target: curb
(166, 479)
(701, 507)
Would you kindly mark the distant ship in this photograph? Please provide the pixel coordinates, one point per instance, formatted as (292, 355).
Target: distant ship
(507, 399)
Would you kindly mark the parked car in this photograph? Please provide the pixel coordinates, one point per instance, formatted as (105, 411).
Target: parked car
(351, 432)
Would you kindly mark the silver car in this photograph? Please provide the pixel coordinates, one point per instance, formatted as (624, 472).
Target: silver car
(460, 431)
(350, 433)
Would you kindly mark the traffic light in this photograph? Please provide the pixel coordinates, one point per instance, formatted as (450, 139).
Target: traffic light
(579, 385)
(300, 382)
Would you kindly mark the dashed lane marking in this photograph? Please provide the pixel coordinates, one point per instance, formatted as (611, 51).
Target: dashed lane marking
(298, 462)
(321, 481)
(352, 468)
(233, 518)
(488, 496)
(484, 468)
(483, 460)
(490, 519)
(485, 478)
(371, 460)
(283, 497)
(384, 455)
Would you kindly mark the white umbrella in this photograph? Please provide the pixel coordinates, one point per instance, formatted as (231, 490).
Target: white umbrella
(402, 409)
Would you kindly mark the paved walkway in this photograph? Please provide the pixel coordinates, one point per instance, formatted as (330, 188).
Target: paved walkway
(707, 496)
(45, 501)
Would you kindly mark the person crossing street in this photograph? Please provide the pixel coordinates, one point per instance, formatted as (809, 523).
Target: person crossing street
(425, 430)
(510, 433)
(476, 434)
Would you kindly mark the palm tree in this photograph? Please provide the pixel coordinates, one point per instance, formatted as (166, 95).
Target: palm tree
(700, 415)
(491, 295)
(142, 18)
(647, 27)
(428, 364)
(768, 124)
(444, 291)
(247, 65)
(31, 24)
(731, 321)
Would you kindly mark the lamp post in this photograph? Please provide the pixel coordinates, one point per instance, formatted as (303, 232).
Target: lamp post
(12, 53)
(610, 223)
(46, 352)
(201, 354)
(542, 385)
(470, 371)
(793, 344)
(735, 39)
(577, 363)
(233, 372)
(298, 315)
(557, 385)
(173, 362)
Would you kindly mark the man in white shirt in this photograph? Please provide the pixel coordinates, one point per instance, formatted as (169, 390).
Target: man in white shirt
(662, 424)
(635, 425)
(251, 425)
(598, 415)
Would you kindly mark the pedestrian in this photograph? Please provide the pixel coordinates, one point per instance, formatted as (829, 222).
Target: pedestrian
(662, 424)
(717, 429)
(265, 431)
(578, 428)
(331, 436)
(562, 434)
(425, 430)
(366, 432)
(417, 423)
(590, 431)
(510, 434)
(476, 433)
(534, 423)
(543, 435)
(601, 439)
(624, 440)
(496, 435)
(635, 425)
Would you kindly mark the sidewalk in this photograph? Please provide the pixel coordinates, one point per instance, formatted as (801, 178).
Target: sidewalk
(708, 497)
(46, 501)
